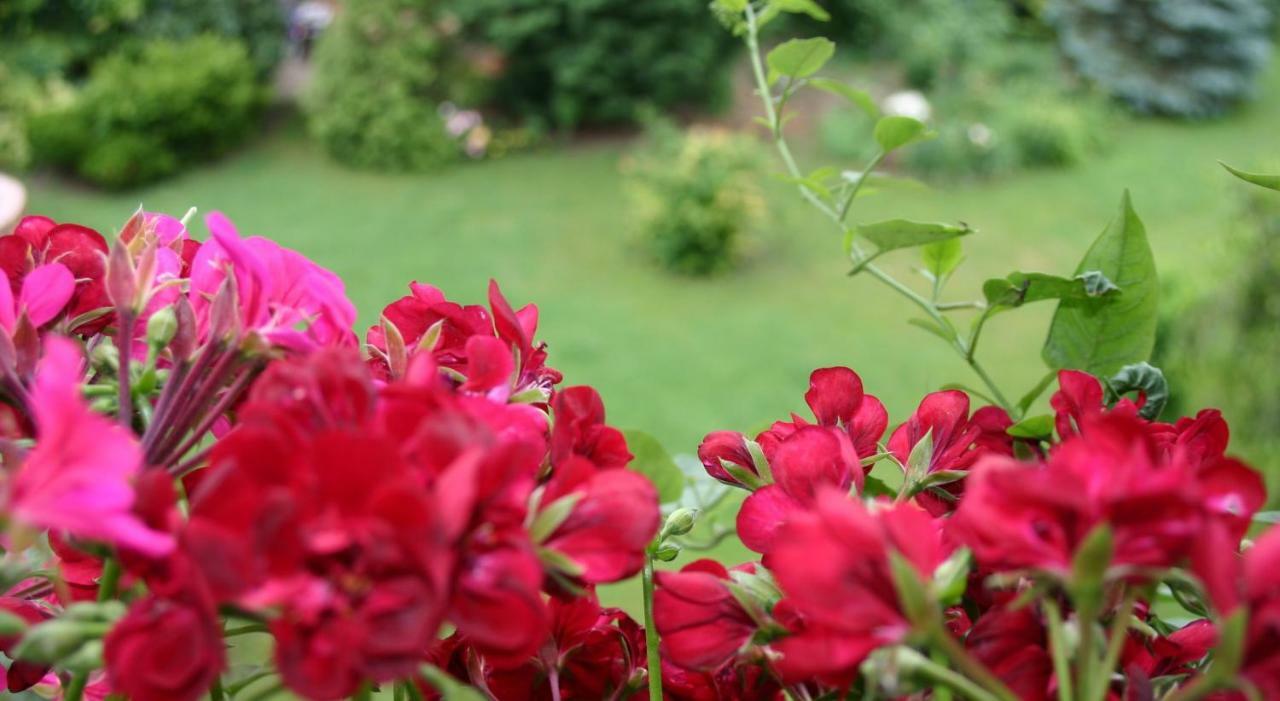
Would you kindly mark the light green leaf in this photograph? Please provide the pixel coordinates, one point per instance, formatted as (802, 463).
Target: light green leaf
(1271, 182)
(1101, 335)
(450, 689)
(858, 98)
(947, 333)
(800, 58)
(652, 461)
(941, 257)
(1033, 427)
(807, 7)
(1023, 288)
(900, 233)
(895, 131)
(732, 6)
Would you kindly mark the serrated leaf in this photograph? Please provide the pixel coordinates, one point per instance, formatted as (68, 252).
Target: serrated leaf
(941, 257)
(895, 131)
(1271, 182)
(901, 233)
(1101, 335)
(1032, 427)
(1145, 378)
(651, 460)
(858, 98)
(801, 58)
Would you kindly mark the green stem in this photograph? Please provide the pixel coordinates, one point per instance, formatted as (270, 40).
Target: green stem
(107, 585)
(1115, 643)
(1058, 647)
(364, 694)
(215, 692)
(651, 640)
(950, 679)
(75, 689)
(1086, 657)
(972, 668)
(838, 216)
(857, 185)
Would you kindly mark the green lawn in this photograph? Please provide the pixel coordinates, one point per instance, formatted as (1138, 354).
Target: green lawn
(680, 357)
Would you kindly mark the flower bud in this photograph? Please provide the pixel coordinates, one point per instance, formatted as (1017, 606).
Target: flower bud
(680, 522)
(105, 354)
(161, 328)
(57, 639)
(667, 552)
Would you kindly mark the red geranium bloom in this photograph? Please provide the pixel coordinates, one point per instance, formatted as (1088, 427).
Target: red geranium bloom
(1016, 515)
(165, 650)
(22, 674)
(958, 440)
(40, 241)
(832, 563)
(729, 683)
(1012, 643)
(703, 626)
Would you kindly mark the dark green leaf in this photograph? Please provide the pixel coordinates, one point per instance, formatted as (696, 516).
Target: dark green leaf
(1101, 335)
(1271, 182)
(858, 98)
(895, 131)
(800, 58)
(1023, 288)
(1145, 378)
(900, 233)
(1034, 427)
(652, 461)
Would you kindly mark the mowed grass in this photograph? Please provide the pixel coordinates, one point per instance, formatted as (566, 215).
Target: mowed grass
(679, 357)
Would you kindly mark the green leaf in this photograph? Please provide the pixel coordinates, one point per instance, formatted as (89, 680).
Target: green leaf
(652, 461)
(919, 458)
(1271, 182)
(1100, 335)
(807, 7)
(941, 257)
(900, 233)
(858, 98)
(895, 131)
(913, 594)
(552, 516)
(947, 333)
(450, 689)
(1145, 378)
(1033, 427)
(1023, 288)
(952, 577)
(800, 58)
(732, 6)
(1089, 567)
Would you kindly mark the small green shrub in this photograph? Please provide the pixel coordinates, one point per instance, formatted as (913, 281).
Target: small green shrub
(578, 62)
(144, 110)
(1188, 58)
(383, 70)
(693, 197)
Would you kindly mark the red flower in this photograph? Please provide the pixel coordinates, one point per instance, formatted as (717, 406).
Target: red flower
(1016, 515)
(703, 626)
(835, 395)
(1012, 644)
(730, 683)
(730, 447)
(38, 241)
(810, 459)
(832, 563)
(22, 675)
(165, 650)
(958, 440)
(614, 517)
(580, 430)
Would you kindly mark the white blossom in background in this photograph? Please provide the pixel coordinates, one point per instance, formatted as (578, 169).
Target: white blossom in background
(908, 103)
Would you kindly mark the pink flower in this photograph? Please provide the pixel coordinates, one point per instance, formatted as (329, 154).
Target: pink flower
(278, 290)
(45, 292)
(77, 478)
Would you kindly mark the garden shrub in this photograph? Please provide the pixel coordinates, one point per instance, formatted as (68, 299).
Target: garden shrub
(578, 62)
(382, 73)
(1188, 58)
(693, 199)
(146, 109)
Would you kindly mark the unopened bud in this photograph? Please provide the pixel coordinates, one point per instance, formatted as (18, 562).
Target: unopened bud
(54, 640)
(105, 354)
(667, 552)
(162, 327)
(680, 522)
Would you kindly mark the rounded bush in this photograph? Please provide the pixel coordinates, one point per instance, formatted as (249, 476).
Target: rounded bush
(1188, 58)
(383, 70)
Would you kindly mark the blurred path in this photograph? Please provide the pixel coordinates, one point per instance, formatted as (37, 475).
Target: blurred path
(13, 201)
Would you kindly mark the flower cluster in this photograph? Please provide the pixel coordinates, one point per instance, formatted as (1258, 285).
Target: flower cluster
(195, 448)
(1035, 564)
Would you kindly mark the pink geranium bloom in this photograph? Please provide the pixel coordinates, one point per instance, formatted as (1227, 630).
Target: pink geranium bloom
(282, 296)
(77, 478)
(45, 292)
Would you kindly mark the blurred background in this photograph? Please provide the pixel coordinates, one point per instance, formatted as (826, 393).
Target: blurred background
(598, 157)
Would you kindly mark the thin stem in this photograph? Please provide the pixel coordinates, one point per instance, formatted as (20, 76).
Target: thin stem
(837, 216)
(75, 688)
(1115, 643)
(651, 632)
(215, 692)
(1086, 657)
(107, 585)
(553, 680)
(949, 678)
(1058, 647)
(124, 346)
(971, 667)
(857, 185)
(229, 397)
